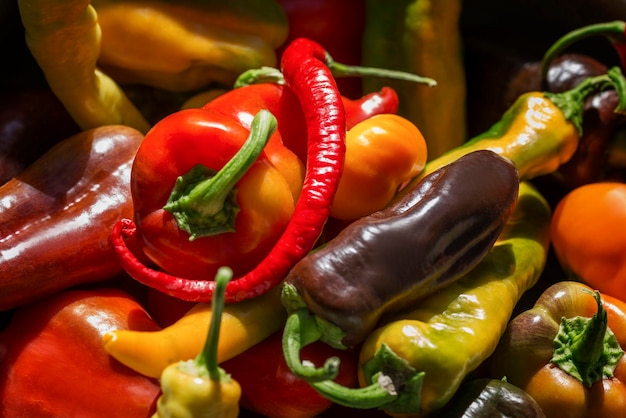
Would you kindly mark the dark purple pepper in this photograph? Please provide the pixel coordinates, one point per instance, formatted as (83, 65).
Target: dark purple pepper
(423, 242)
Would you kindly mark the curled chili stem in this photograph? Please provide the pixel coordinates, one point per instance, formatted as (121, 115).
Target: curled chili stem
(273, 75)
(394, 385)
(571, 102)
(615, 31)
(203, 202)
(301, 330)
(206, 364)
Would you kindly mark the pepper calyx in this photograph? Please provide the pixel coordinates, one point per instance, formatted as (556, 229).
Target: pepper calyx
(393, 385)
(572, 102)
(586, 348)
(399, 374)
(204, 203)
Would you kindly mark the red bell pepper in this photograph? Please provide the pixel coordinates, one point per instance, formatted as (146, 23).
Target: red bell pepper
(57, 215)
(315, 90)
(271, 389)
(53, 364)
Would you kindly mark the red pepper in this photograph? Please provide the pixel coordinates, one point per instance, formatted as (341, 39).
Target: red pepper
(244, 102)
(53, 364)
(271, 389)
(614, 31)
(307, 75)
(57, 215)
(338, 25)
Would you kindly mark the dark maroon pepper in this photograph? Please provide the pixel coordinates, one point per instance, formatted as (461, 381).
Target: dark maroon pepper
(57, 215)
(31, 122)
(394, 257)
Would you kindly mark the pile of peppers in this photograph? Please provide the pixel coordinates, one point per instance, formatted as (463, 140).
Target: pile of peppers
(292, 230)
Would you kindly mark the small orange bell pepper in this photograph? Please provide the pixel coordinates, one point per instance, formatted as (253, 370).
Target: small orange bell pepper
(382, 153)
(586, 232)
(567, 353)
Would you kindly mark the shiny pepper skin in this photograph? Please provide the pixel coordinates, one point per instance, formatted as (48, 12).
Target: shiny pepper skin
(587, 232)
(382, 153)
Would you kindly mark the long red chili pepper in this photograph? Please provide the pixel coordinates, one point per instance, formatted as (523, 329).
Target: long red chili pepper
(307, 75)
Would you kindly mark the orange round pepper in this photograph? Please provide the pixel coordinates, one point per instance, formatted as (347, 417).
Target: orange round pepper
(382, 153)
(589, 236)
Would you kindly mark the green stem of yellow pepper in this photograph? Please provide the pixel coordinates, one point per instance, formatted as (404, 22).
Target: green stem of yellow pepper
(199, 387)
(207, 359)
(205, 203)
(586, 348)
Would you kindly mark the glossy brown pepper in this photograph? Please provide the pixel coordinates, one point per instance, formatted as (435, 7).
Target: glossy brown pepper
(425, 241)
(57, 215)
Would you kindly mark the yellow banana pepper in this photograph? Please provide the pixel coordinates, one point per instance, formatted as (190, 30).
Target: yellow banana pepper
(199, 388)
(187, 45)
(64, 38)
(245, 324)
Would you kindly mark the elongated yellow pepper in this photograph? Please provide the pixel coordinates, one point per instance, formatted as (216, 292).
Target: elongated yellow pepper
(244, 324)
(64, 38)
(187, 45)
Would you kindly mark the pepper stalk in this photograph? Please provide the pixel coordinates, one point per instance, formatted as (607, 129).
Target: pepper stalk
(274, 75)
(199, 387)
(203, 202)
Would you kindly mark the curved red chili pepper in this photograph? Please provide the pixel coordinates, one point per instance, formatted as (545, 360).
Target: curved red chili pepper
(312, 82)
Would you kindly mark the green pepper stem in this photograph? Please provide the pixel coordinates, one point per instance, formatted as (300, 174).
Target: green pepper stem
(572, 102)
(273, 75)
(207, 359)
(367, 397)
(586, 348)
(613, 30)
(200, 201)
(301, 330)
(259, 75)
(343, 70)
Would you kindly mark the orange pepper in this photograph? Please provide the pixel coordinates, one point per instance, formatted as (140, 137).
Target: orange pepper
(587, 232)
(382, 153)
(567, 352)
